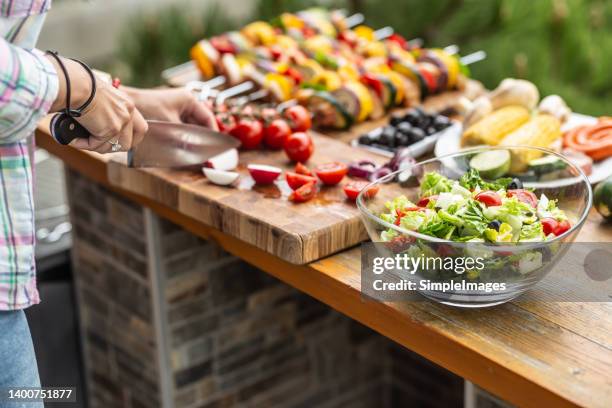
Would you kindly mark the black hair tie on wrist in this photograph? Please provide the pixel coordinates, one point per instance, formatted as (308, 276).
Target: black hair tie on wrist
(64, 128)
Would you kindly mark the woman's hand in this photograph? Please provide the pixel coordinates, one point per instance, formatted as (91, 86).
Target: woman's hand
(111, 117)
(172, 105)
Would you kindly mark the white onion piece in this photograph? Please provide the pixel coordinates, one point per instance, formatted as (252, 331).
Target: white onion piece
(220, 177)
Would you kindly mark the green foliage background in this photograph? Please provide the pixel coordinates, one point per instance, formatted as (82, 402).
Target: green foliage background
(564, 46)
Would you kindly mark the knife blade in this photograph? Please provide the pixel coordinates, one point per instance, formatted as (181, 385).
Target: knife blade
(165, 144)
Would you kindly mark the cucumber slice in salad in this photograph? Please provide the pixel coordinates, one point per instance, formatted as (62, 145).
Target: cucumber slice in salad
(492, 164)
(546, 164)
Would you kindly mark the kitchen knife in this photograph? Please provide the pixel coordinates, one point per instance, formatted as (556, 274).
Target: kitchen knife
(165, 144)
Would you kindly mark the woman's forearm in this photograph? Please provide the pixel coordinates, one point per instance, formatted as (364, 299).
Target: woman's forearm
(80, 84)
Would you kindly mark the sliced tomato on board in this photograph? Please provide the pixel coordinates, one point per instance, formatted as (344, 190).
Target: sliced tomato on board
(301, 169)
(296, 181)
(353, 188)
(304, 193)
(331, 173)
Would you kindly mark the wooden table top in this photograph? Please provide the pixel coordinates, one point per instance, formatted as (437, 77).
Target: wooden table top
(532, 354)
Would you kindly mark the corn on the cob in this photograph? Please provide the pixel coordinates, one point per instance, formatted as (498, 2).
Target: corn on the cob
(541, 131)
(491, 129)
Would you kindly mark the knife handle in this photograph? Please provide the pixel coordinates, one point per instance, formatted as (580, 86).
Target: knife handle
(65, 129)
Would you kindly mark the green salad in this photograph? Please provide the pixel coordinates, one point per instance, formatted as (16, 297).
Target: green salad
(474, 210)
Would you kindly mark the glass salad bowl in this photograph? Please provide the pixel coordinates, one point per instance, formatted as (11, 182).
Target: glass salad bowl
(510, 210)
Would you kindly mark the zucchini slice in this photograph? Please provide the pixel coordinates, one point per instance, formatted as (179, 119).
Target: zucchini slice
(328, 112)
(349, 100)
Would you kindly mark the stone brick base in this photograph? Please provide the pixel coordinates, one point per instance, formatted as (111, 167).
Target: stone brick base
(171, 320)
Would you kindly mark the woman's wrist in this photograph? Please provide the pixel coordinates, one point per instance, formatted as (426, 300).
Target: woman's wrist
(80, 84)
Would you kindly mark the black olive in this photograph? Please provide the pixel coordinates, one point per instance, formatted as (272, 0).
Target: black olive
(430, 130)
(416, 135)
(388, 139)
(396, 119)
(402, 139)
(365, 139)
(495, 224)
(515, 184)
(412, 117)
(441, 122)
(404, 127)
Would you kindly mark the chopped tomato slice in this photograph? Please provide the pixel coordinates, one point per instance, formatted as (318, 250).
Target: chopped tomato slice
(301, 169)
(489, 198)
(562, 227)
(524, 196)
(549, 225)
(423, 202)
(296, 181)
(331, 173)
(353, 189)
(304, 193)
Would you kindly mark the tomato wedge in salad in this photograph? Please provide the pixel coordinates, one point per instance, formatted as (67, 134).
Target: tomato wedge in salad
(524, 196)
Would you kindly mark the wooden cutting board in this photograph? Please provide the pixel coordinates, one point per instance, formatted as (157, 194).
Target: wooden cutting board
(261, 215)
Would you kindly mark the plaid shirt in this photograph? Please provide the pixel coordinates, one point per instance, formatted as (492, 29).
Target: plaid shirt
(28, 86)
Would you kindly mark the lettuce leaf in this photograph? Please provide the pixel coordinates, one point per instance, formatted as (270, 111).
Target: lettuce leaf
(471, 179)
(435, 183)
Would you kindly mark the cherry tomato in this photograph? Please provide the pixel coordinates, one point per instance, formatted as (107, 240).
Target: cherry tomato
(225, 122)
(301, 169)
(298, 117)
(299, 147)
(489, 198)
(423, 202)
(331, 173)
(296, 181)
(562, 227)
(353, 188)
(276, 133)
(549, 225)
(524, 196)
(304, 193)
(249, 131)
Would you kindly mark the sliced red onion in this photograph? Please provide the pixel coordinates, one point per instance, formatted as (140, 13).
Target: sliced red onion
(362, 169)
(380, 173)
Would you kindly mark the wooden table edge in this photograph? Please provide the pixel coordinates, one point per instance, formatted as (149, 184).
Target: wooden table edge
(449, 353)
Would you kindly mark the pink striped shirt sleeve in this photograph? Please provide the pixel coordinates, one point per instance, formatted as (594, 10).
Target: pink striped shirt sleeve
(28, 87)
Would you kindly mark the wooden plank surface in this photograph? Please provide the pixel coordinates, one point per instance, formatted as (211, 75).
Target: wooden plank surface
(531, 354)
(260, 215)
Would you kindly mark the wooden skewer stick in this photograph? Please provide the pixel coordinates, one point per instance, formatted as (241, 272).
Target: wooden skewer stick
(473, 57)
(383, 33)
(233, 91)
(451, 49)
(354, 20)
